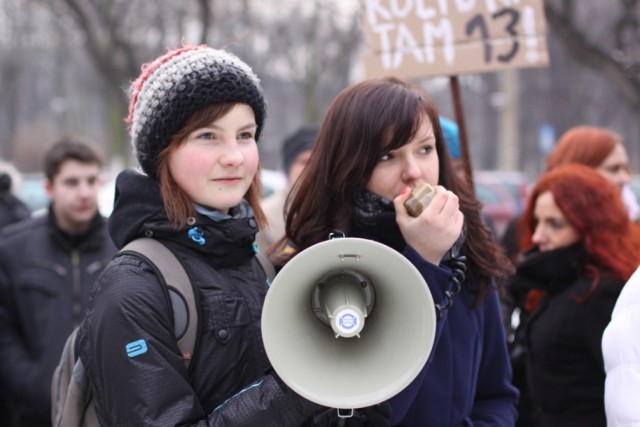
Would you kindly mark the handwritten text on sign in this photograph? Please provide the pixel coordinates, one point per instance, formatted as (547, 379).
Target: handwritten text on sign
(415, 38)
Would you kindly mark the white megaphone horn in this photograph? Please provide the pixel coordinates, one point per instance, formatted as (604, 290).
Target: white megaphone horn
(348, 323)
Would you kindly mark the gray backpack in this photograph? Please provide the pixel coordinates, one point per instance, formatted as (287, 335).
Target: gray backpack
(71, 396)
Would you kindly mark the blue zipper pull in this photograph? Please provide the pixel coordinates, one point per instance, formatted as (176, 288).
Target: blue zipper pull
(197, 235)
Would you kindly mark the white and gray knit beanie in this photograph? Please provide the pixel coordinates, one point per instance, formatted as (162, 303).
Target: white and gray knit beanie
(179, 83)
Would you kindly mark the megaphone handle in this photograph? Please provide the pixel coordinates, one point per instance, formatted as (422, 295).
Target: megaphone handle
(348, 413)
(336, 234)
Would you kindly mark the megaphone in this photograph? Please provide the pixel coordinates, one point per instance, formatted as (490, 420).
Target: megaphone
(348, 323)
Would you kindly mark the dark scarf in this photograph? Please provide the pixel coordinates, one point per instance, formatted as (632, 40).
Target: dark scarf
(375, 217)
(550, 271)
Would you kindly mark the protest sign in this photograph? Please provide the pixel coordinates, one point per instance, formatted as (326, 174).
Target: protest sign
(418, 38)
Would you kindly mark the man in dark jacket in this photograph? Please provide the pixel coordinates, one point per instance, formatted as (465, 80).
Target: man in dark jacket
(47, 267)
(12, 209)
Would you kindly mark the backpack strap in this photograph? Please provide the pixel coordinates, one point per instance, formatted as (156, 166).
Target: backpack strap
(267, 265)
(180, 290)
(71, 394)
(181, 294)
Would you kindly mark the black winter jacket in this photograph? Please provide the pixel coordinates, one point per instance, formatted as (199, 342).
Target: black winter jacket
(45, 283)
(562, 337)
(230, 380)
(12, 210)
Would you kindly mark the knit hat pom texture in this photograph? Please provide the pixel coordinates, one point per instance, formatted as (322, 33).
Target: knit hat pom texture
(178, 84)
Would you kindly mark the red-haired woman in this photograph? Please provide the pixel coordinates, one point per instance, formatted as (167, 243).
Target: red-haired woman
(580, 255)
(601, 149)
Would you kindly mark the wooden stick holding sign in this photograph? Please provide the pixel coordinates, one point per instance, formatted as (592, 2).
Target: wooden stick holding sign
(419, 38)
(462, 128)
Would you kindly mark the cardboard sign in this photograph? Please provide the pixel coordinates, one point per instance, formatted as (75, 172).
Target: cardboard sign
(417, 38)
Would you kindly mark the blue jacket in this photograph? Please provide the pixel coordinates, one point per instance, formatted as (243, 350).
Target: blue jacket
(467, 379)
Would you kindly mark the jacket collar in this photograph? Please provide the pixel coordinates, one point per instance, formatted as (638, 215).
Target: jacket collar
(139, 211)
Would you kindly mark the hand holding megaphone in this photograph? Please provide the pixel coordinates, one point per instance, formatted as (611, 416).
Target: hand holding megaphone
(437, 226)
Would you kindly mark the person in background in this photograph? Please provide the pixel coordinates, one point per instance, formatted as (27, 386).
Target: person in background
(451, 135)
(578, 253)
(196, 115)
(12, 209)
(598, 148)
(631, 202)
(47, 267)
(601, 149)
(295, 152)
(380, 139)
(621, 352)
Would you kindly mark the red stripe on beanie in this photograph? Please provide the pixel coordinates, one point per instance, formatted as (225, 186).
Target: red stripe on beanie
(148, 69)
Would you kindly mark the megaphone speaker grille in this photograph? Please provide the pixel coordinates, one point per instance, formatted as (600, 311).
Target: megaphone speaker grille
(355, 372)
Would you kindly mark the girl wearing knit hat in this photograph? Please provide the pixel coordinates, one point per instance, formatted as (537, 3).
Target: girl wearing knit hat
(195, 116)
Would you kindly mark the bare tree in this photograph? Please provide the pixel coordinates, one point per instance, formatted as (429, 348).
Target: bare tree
(307, 47)
(301, 41)
(13, 51)
(313, 45)
(614, 53)
(119, 35)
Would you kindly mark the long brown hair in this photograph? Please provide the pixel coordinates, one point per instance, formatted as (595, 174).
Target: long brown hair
(363, 122)
(177, 204)
(593, 206)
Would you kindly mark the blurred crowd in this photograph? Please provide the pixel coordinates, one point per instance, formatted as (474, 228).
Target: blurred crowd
(559, 252)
